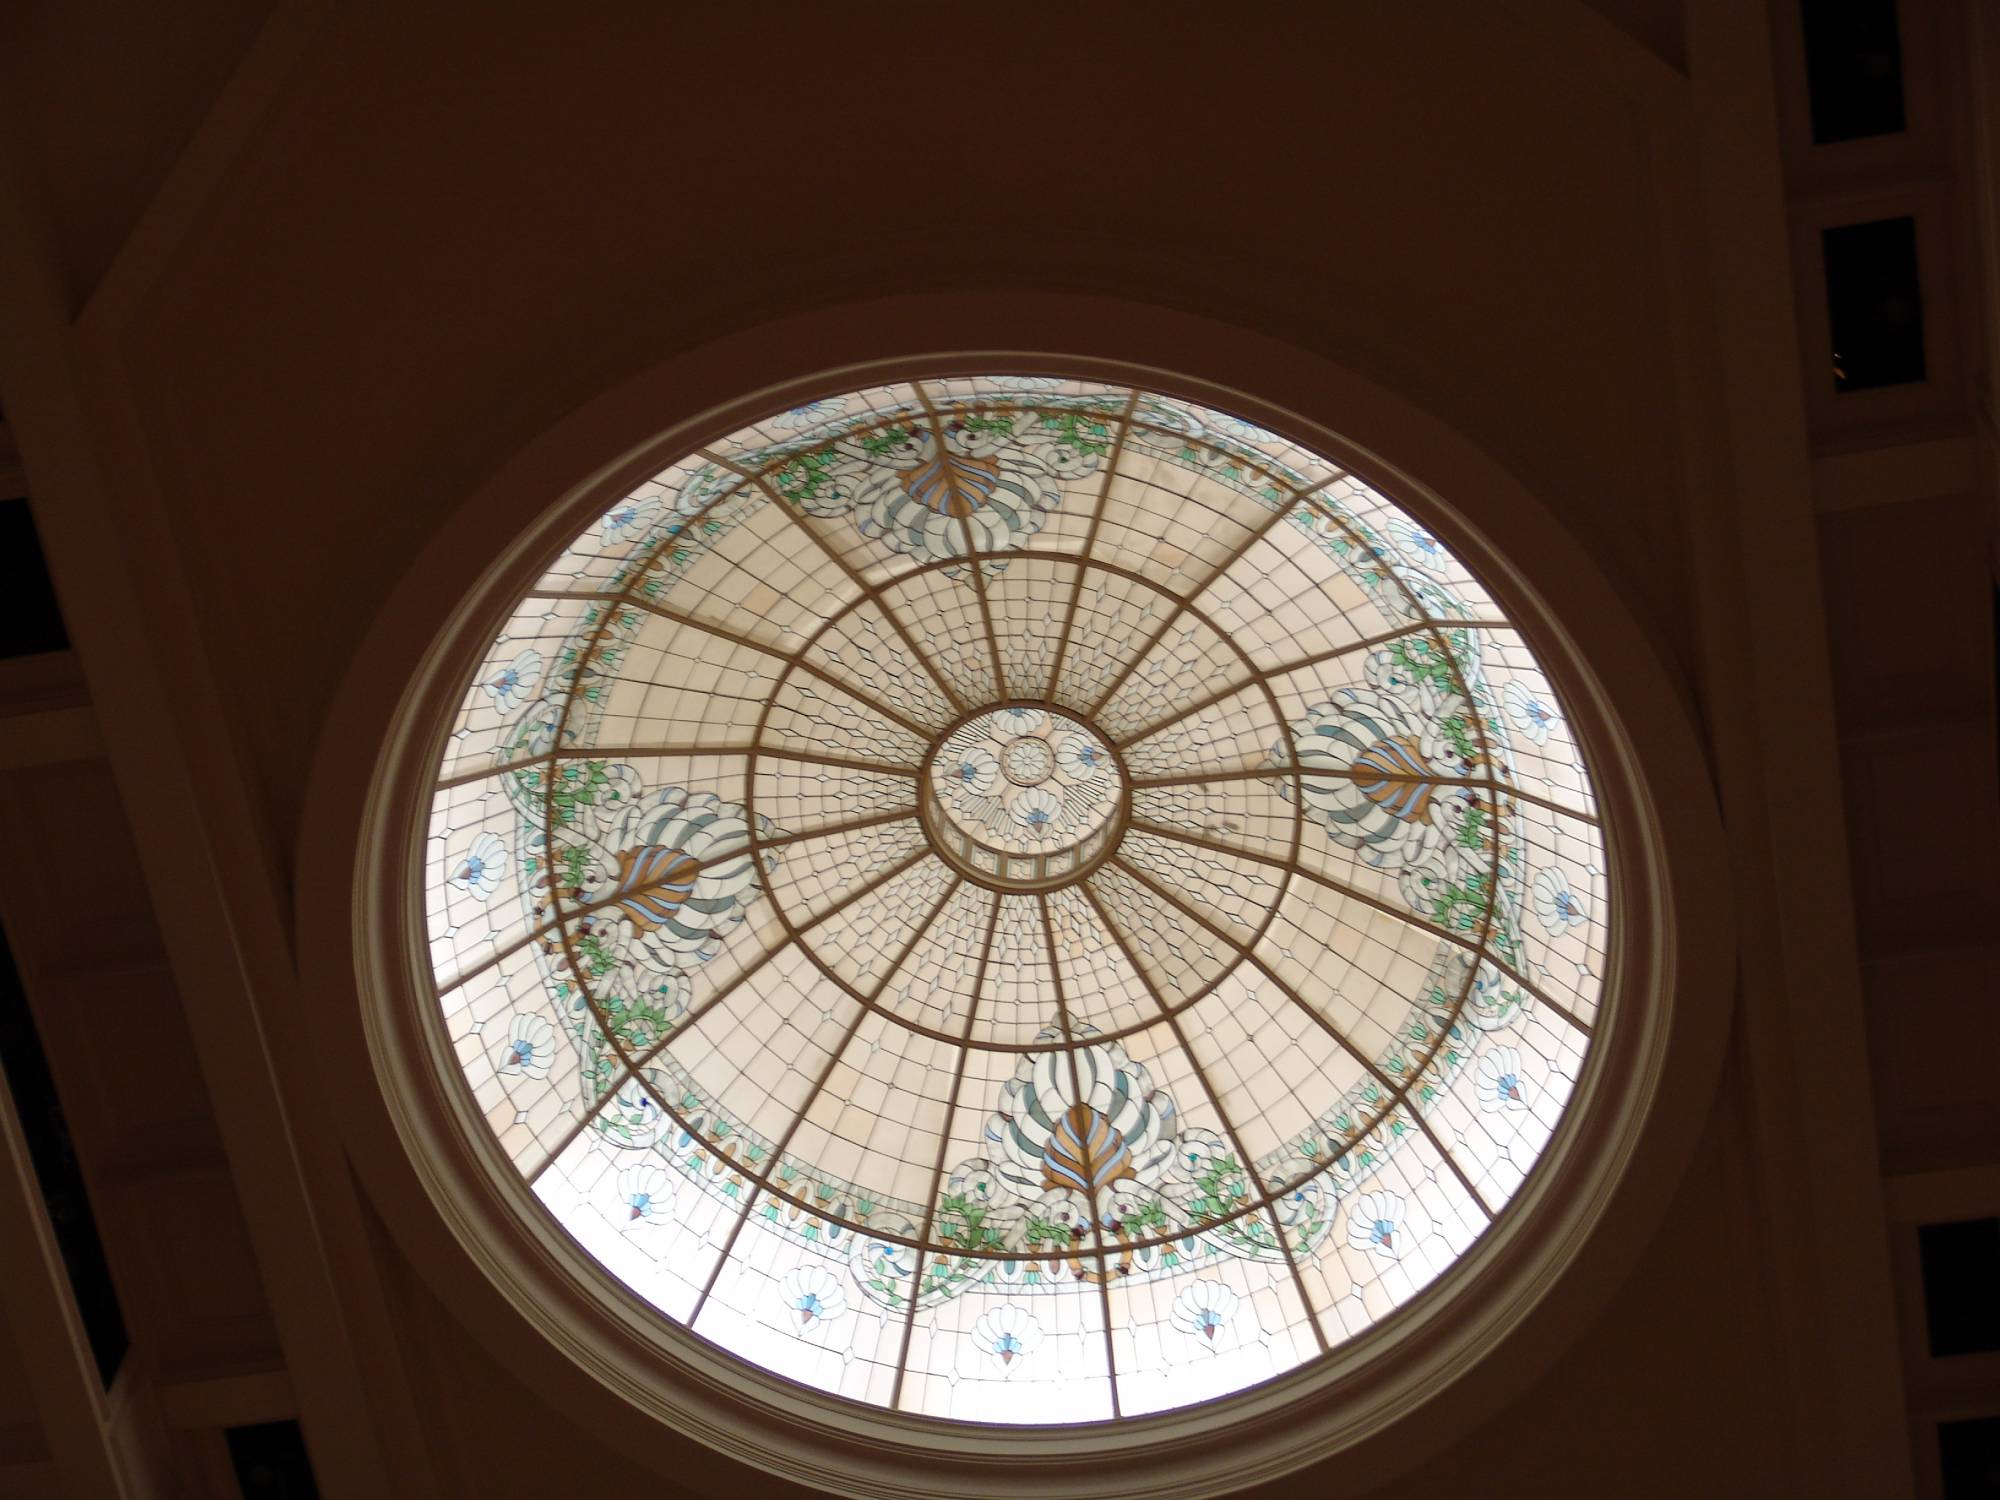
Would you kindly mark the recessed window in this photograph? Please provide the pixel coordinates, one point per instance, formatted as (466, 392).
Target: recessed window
(1874, 307)
(1961, 1264)
(58, 1173)
(1969, 1458)
(1854, 68)
(1016, 900)
(30, 622)
(271, 1462)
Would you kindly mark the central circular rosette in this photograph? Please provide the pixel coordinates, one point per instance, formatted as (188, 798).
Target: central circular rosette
(1023, 797)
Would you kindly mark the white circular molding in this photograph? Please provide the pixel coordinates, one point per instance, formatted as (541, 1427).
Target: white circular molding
(1445, 1357)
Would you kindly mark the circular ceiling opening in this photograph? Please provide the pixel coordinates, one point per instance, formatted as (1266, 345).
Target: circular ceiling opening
(1015, 900)
(1023, 797)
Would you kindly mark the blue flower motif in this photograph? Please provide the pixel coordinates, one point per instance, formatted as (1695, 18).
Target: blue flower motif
(811, 1294)
(1527, 711)
(809, 414)
(1557, 905)
(1416, 541)
(1007, 1333)
(1373, 1221)
(1204, 1309)
(1037, 810)
(643, 1191)
(631, 516)
(530, 1047)
(510, 684)
(1501, 1086)
(480, 872)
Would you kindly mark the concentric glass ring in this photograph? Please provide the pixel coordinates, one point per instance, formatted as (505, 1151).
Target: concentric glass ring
(1016, 900)
(1023, 797)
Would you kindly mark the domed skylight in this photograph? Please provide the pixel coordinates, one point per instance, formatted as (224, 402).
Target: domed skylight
(1015, 900)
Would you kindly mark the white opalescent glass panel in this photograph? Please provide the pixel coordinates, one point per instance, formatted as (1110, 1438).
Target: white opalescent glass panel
(654, 1227)
(791, 1305)
(1212, 1328)
(1026, 1351)
(533, 1052)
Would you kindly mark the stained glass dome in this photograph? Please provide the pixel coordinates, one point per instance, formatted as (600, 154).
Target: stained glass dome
(1015, 900)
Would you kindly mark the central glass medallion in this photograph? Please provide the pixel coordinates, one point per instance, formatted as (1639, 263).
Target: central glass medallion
(1024, 797)
(1013, 901)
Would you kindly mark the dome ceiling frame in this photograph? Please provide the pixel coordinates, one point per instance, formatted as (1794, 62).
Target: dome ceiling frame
(1289, 500)
(1244, 1417)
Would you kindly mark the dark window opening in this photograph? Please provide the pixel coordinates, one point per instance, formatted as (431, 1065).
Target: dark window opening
(30, 622)
(1854, 68)
(57, 1172)
(1874, 308)
(1961, 1264)
(271, 1462)
(1969, 1458)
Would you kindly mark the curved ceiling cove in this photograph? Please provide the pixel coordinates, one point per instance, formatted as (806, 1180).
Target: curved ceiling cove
(1015, 900)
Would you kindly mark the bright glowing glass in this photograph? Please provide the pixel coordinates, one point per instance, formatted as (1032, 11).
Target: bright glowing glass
(1017, 900)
